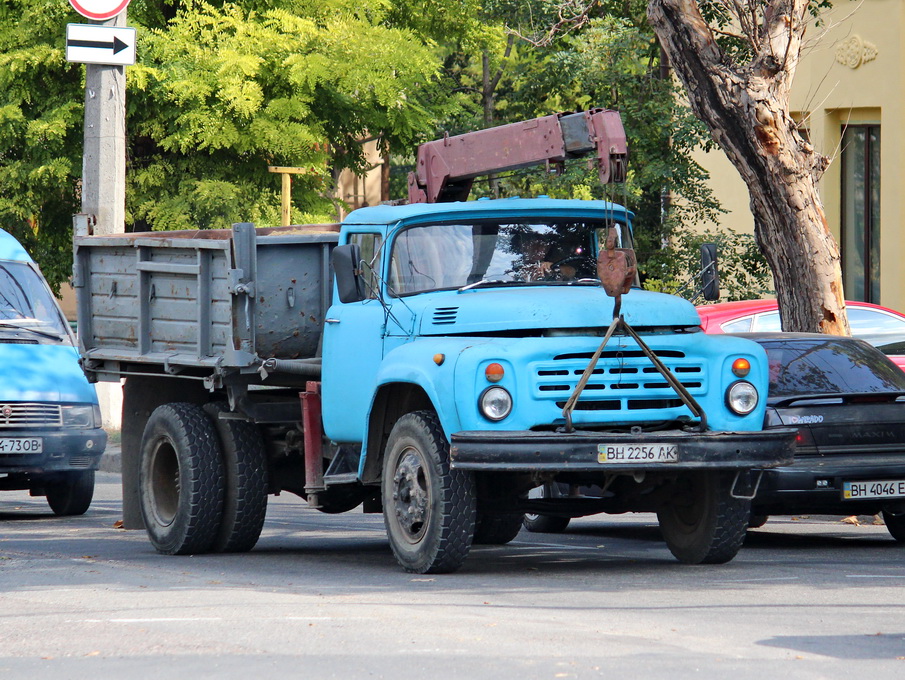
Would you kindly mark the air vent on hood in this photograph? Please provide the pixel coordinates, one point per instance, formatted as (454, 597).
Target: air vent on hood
(445, 315)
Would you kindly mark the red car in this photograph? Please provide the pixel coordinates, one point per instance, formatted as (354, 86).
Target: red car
(883, 328)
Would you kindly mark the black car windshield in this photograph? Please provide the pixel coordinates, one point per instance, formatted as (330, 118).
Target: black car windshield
(445, 256)
(834, 365)
(26, 303)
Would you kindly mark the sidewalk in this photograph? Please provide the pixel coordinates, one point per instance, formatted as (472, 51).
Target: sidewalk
(110, 461)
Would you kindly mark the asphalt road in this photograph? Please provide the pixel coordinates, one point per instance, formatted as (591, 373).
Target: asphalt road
(322, 597)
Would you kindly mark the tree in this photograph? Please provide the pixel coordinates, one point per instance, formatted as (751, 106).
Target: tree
(737, 63)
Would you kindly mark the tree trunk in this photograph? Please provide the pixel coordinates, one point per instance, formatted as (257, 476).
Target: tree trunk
(746, 108)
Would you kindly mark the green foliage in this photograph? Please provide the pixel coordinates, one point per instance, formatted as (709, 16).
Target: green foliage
(221, 91)
(40, 127)
(744, 274)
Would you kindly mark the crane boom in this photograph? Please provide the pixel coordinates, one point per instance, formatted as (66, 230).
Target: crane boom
(446, 168)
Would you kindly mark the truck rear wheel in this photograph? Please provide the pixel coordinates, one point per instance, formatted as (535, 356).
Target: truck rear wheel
(245, 482)
(428, 509)
(703, 523)
(181, 480)
(72, 494)
(497, 528)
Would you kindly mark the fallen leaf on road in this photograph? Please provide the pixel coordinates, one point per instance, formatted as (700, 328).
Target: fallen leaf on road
(118, 524)
(852, 519)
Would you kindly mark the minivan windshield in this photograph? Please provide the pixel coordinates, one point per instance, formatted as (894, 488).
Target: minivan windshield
(27, 304)
(457, 255)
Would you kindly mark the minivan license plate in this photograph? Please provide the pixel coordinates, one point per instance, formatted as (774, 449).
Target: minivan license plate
(14, 445)
(637, 453)
(890, 488)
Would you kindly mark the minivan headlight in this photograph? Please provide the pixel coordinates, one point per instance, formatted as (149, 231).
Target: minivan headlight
(81, 415)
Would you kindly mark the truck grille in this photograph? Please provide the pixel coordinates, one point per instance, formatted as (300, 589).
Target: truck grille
(623, 380)
(22, 414)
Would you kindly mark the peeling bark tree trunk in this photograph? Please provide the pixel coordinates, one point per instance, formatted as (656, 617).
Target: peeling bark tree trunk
(746, 108)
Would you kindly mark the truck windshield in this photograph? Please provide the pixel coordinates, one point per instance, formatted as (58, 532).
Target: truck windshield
(27, 304)
(451, 256)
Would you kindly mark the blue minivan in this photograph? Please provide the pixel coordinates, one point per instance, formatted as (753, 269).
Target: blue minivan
(51, 439)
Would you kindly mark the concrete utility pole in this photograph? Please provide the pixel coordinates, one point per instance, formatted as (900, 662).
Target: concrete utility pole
(104, 159)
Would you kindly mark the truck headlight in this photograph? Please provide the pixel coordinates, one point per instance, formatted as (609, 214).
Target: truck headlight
(742, 397)
(81, 415)
(495, 403)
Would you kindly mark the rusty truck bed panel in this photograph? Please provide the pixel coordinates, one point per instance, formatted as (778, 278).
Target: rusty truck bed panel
(204, 298)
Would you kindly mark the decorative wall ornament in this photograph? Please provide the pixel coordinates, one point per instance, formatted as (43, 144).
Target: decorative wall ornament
(854, 52)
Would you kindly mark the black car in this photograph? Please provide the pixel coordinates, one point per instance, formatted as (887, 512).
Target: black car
(847, 400)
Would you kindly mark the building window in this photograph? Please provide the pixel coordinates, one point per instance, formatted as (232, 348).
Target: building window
(861, 212)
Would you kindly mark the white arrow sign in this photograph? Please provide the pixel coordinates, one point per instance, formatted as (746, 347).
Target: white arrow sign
(93, 44)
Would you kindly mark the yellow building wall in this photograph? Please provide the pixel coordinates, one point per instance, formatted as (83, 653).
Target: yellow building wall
(851, 71)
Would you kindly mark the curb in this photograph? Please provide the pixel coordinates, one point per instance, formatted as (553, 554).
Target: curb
(111, 460)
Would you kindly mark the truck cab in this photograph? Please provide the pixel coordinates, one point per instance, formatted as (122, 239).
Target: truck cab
(481, 318)
(51, 439)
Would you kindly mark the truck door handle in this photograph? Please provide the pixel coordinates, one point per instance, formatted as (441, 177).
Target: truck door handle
(331, 320)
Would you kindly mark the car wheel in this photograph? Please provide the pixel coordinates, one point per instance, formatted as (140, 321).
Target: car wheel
(757, 521)
(181, 480)
(895, 525)
(544, 524)
(703, 523)
(245, 482)
(71, 494)
(428, 509)
(497, 528)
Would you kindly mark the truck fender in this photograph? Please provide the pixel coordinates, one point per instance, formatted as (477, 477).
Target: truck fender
(409, 380)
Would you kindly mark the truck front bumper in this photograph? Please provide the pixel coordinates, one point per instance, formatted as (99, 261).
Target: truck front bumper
(528, 451)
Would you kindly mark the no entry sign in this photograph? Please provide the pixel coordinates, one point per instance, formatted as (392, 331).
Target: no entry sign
(99, 9)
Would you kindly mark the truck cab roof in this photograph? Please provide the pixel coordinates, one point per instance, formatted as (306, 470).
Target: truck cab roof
(522, 208)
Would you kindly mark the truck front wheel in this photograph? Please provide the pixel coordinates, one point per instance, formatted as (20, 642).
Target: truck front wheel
(703, 523)
(181, 480)
(428, 509)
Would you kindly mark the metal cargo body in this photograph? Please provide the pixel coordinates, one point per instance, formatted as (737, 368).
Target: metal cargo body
(204, 298)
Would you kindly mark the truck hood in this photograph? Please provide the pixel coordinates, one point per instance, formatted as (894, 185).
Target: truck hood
(46, 373)
(487, 310)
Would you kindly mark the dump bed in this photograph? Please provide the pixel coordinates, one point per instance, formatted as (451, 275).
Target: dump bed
(181, 299)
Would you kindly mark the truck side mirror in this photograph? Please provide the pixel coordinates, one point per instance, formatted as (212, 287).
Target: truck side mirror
(349, 283)
(710, 276)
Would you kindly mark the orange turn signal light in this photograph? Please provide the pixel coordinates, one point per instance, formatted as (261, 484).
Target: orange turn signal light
(494, 372)
(741, 367)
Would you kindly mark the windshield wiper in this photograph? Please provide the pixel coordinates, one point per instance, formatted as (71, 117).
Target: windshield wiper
(489, 282)
(18, 327)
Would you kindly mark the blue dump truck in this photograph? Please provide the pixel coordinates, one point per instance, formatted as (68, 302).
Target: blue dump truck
(51, 439)
(437, 362)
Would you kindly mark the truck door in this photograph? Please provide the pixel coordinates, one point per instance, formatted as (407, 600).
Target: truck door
(353, 349)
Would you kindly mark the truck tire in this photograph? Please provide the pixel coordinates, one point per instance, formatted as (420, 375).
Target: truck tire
(428, 509)
(544, 524)
(496, 528)
(71, 494)
(245, 482)
(895, 525)
(181, 480)
(703, 523)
